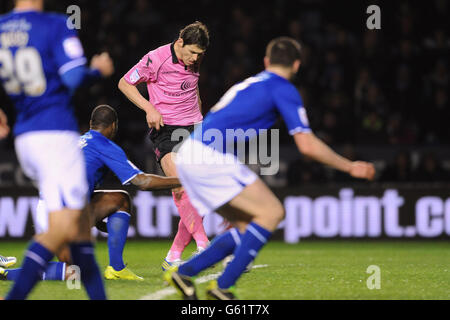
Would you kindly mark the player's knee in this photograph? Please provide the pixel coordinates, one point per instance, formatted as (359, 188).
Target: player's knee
(71, 234)
(280, 212)
(275, 214)
(121, 201)
(125, 202)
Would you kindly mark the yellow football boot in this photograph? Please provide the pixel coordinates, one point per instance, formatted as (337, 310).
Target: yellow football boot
(124, 274)
(213, 292)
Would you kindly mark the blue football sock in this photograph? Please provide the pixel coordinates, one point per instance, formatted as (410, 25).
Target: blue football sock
(222, 246)
(55, 271)
(83, 257)
(117, 226)
(34, 264)
(13, 274)
(252, 241)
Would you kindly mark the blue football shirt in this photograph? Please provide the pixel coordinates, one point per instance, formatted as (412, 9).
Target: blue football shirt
(254, 105)
(36, 49)
(101, 155)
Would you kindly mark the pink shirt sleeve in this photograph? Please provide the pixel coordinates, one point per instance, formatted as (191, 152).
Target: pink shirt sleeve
(144, 71)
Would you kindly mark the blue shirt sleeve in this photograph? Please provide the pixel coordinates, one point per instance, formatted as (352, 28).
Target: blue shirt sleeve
(69, 56)
(80, 76)
(116, 160)
(66, 47)
(290, 105)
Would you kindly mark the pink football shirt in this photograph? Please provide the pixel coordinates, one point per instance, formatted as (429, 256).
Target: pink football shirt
(172, 88)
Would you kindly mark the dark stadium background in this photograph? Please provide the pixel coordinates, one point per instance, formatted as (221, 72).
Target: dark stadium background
(376, 95)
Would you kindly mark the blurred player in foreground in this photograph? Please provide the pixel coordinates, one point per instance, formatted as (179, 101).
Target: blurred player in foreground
(171, 73)
(41, 63)
(102, 155)
(217, 181)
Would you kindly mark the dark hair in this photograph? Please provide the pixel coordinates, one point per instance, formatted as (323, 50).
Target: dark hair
(283, 51)
(103, 116)
(195, 33)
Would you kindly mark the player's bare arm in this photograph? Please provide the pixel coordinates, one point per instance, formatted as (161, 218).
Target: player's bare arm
(148, 182)
(313, 147)
(4, 128)
(153, 117)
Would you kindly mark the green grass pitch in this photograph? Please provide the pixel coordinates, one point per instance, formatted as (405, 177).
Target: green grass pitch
(307, 270)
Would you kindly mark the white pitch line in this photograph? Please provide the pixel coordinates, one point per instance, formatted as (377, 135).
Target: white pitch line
(160, 294)
(260, 266)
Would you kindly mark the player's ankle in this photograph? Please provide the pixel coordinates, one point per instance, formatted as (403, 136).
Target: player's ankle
(202, 245)
(173, 255)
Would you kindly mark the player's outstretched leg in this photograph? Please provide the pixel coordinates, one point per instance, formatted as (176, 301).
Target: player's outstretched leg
(213, 292)
(252, 241)
(228, 259)
(181, 277)
(6, 262)
(191, 219)
(63, 228)
(266, 212)
(55, 271)
(190, 226)
(222, 246)
(182, 239)
(189, 216)
(35, 261)
(258, 209)
(184, 284)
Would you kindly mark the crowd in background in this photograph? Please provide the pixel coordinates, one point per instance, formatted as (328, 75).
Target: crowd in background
(359, 86)
(402, 169)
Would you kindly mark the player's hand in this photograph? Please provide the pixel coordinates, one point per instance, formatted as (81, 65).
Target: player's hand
(154, 119)
(103, 63)
(4, 128)
(362, 170)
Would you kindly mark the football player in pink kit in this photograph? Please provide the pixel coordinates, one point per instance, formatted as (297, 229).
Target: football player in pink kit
(171, 73)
